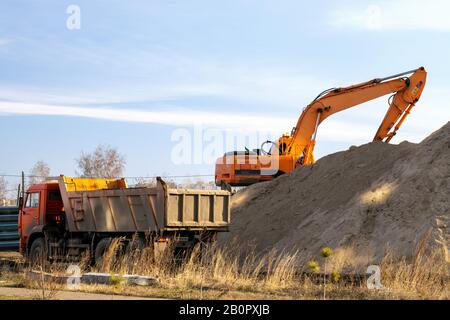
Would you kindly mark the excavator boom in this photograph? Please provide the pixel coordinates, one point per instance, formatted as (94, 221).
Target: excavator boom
(244, 168)
(407, 92)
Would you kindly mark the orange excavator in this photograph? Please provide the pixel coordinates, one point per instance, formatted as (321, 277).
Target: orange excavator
(242, 168)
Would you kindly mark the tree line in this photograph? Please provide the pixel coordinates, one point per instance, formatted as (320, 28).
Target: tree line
(104, 162)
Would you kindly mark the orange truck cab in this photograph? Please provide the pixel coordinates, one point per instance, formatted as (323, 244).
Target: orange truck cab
(41, 212)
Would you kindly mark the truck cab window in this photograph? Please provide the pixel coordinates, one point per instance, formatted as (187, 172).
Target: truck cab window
(54, 196)
(32, 200)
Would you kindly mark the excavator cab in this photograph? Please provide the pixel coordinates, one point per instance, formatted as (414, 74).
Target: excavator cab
(280, 147)
(283, 143)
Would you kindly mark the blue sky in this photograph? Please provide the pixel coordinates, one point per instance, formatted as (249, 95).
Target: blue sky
(138, 70)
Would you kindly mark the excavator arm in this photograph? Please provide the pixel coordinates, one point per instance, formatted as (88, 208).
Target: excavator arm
(406, 92)
(240, 168)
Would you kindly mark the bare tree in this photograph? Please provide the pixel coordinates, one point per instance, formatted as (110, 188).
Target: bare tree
(3, 190)
(104, 162)
(198, 184)
(171, 183)
(151, 182)
(39, 172)
(144, 183)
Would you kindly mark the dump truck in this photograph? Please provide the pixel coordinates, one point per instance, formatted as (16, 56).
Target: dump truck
(61, 218)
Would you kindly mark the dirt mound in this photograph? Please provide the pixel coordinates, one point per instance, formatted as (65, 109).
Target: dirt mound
(370, 197)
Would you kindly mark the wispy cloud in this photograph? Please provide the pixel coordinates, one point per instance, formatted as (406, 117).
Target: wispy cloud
(251, 85)
(171, 117)
(333, 131)
(4, 41)
(110, 95)
(149, 73)
(279, 88)
(395, 15)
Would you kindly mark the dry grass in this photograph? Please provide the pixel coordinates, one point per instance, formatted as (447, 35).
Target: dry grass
(47, 288)
(237, 273)
(218, 273)
(426, 276)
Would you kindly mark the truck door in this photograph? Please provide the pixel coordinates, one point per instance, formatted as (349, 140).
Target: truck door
(30, 213)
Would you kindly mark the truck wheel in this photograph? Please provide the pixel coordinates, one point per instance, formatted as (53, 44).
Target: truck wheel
(38, 252)
(100, 250)
(137, 244)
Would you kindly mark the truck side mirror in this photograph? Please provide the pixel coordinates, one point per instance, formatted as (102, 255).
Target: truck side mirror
(20, 202)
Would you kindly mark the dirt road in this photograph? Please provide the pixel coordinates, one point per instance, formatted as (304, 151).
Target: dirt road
(23, 293)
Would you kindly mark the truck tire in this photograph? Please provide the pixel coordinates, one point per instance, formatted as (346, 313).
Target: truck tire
(100, 250)
(38, 252)
(135, 245)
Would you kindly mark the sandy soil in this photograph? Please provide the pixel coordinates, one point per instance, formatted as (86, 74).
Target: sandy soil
(370, 197)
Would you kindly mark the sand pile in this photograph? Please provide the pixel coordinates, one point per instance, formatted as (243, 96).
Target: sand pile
(370, 197)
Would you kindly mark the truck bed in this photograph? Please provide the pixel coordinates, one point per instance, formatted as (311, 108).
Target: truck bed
(144, 209)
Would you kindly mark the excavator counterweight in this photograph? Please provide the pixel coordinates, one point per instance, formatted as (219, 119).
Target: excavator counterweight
(241, 168)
